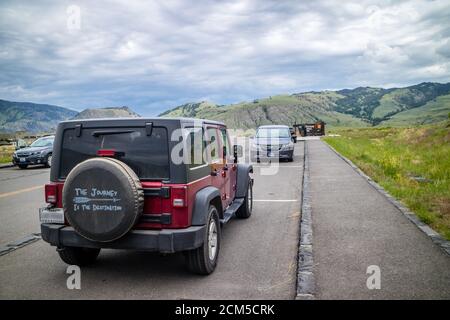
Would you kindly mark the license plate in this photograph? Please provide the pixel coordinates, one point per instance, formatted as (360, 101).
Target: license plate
(23, 159)
(55, 215)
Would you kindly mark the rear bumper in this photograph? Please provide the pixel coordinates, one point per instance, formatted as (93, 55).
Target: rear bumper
(165, 240)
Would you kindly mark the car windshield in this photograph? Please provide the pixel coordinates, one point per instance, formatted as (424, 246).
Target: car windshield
(43, 142)
(273, 133)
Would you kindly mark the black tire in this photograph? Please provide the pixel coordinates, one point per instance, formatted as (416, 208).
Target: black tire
(48, 161)
(199, 260)
(245, 211)
(78, 256)
(111, 202)
(23, 166)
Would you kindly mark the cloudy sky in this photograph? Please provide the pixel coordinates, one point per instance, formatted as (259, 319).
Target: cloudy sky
(152, 55)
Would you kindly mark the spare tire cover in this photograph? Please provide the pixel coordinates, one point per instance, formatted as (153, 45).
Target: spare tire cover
(102, 199)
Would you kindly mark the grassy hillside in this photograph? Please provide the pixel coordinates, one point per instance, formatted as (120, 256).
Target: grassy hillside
(413, 164)
(434, 111)
(282, 109)
(360, 102)
(359, 107)
(31, 117)
(288, 109)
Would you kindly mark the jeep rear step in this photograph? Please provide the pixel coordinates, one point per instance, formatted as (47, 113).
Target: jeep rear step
(231, 210)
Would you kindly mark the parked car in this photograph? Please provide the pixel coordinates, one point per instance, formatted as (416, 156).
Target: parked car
(273, 141)
(39, 152)
(120, 184)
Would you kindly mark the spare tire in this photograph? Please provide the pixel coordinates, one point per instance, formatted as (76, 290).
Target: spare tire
(102, 199)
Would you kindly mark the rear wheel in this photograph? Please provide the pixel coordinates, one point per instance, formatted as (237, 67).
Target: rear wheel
(78, 256)
(203, 260)
(245, 211)
(23, 166)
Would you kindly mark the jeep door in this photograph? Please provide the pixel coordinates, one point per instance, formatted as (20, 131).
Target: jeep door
(229, 166)
(219, 176)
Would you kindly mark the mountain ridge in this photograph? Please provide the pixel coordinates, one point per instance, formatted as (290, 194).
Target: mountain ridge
(361, 106)
(31, 117)
(39, 118)
(426, 102)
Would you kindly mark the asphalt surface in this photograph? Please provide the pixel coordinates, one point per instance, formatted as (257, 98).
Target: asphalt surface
(258, 257)
(354, 226)
(21, 193)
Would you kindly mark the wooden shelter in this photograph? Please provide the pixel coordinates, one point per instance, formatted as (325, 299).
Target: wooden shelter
(310, 129)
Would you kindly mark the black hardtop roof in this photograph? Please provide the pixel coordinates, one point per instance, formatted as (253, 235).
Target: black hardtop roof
(142, 120)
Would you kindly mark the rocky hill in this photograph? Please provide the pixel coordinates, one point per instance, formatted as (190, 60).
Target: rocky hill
(110, 112)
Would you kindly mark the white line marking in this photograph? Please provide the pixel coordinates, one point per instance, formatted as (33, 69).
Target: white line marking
(268, 166)
(275, 200)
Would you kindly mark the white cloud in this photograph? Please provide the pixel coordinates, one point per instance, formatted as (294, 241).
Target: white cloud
(152, 55)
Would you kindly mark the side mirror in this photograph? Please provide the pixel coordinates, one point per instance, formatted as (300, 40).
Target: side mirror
(238, 152)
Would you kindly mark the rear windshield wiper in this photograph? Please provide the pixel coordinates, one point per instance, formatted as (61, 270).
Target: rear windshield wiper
(108, 132)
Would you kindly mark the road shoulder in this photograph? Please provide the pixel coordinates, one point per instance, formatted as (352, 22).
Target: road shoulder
(356, 227)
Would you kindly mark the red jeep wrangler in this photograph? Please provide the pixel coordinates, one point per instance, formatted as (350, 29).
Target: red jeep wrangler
(157, 184)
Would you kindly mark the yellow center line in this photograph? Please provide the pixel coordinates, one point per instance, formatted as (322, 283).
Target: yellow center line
(12, 193)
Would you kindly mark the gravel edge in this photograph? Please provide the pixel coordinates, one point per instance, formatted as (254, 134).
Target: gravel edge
(6, 165)
(411, 216)
(305, 269)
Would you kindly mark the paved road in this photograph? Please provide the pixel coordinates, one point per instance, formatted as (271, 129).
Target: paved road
(21, 192)
(257, 258)
(354, 226)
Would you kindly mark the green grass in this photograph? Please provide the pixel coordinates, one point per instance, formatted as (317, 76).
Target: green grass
(6, 153)
(434, 111)
(389, 103)
(393, 156)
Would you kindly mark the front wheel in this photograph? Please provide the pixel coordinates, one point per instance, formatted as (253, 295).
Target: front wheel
(78, 256)
(48, 163)
(245, 211)
(203, 260)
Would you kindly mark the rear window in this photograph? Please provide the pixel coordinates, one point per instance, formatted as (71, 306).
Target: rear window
(148, 156)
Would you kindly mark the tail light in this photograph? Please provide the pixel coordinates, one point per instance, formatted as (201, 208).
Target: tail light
(106, 152)
(179, 197)
(51, 193)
